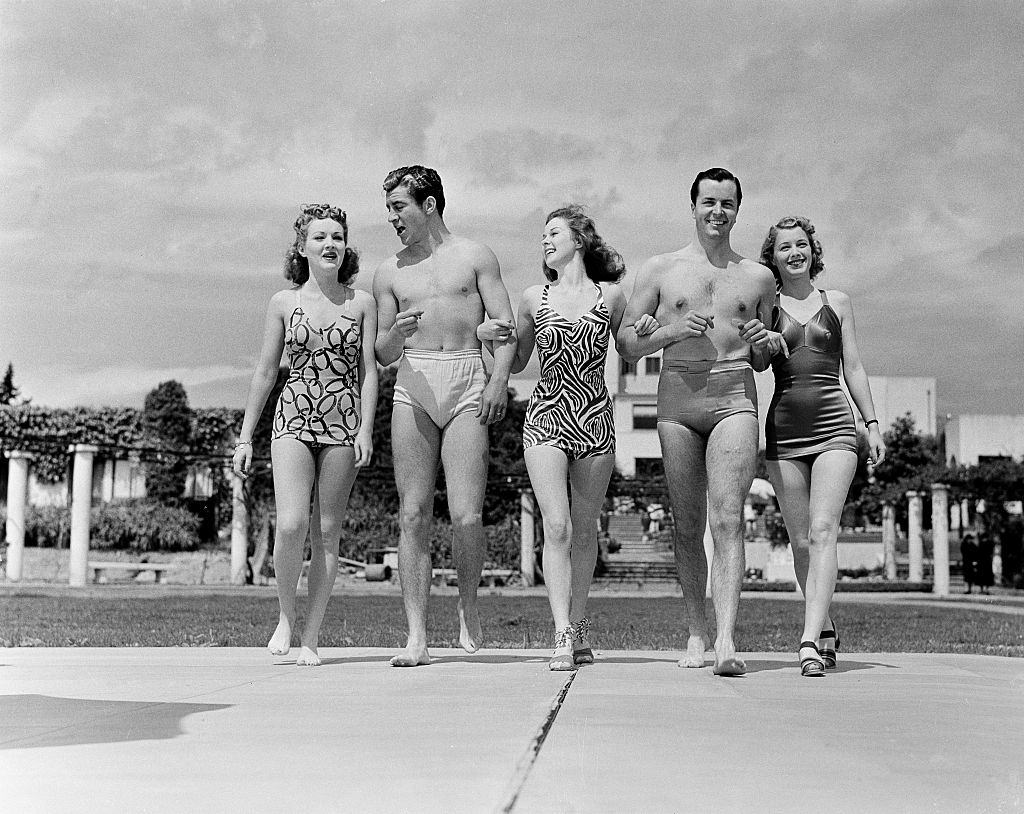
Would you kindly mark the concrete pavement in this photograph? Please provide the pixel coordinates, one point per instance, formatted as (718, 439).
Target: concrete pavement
(234, 729)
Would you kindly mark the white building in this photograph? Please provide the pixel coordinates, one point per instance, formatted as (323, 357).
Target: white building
(634, 390)
(974, 438)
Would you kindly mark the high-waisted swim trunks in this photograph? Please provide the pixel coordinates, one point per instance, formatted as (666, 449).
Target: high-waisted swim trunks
(442, 384)
(699, 394)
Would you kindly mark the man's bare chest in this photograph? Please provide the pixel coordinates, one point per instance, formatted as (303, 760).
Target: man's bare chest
(416, 285)
(725, 293)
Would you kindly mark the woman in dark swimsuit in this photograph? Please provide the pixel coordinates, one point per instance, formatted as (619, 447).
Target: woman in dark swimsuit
(323, 422)
(569, 434)
(811, 434)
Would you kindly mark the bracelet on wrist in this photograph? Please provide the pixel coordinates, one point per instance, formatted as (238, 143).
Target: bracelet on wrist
(872, 421)
(243, 444)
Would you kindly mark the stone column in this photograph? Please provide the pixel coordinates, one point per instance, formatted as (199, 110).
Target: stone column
(17, 498)
(914, 538)
(239, 529)
(81, 503)
(527, 538)
(940, 539)
(889, 540)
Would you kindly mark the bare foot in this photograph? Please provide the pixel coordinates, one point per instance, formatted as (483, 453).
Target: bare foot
(281, 642)
(695, 647)
(412, 656)
(308, 657)
(471, 636)
(727, 663)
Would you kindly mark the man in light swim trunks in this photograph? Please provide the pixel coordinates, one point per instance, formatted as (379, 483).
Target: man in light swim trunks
(711, 306)
(431, 297)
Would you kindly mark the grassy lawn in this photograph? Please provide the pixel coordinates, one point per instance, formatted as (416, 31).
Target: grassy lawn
(620, 623)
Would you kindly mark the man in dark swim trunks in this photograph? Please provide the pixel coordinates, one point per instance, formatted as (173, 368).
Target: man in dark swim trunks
(712, 306)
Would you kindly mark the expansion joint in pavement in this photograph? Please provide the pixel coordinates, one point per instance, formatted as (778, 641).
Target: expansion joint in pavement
(529, 757)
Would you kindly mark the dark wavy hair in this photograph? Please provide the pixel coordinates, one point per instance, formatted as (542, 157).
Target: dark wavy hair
(602, 263)
(715, 174)
(792, 222)
(296, 267)
(422, 182)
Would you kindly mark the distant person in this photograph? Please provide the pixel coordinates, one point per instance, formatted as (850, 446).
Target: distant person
(569, 433)
(323, 422)
(969, 560)
(983, 570)
(810, 433)
(711, 305)
(432, 296)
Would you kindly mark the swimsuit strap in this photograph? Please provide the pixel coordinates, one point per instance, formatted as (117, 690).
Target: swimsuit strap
(824, 296)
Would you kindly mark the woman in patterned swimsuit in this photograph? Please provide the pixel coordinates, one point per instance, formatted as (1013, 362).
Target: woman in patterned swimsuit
(811, 437)
(323, 423)
(569, 435)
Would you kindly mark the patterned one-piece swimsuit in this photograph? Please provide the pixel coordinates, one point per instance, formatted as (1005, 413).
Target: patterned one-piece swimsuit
(570, 407)
(319, 404)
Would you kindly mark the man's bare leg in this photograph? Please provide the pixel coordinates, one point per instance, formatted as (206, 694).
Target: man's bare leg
(731, 461)
(464, 455)
(336, 473)
(415, 441)
(683, 454)
(293, 483)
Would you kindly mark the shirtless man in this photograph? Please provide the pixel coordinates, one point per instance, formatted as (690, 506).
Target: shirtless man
(431, 297)
(711, 306)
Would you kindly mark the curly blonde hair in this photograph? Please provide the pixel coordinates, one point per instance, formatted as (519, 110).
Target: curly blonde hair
(792, 222)
(602, 263)
(296, 267)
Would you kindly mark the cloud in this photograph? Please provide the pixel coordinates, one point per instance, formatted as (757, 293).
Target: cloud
(514, 156)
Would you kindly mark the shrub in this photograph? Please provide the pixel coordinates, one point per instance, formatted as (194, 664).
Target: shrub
(48, 526)
(143, 525)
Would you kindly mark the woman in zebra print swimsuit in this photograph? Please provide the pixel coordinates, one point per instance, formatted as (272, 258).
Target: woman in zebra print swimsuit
(569, 435)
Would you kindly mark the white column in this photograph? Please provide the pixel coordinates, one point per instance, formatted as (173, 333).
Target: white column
(239, 530)
(940, 539)
(17, 498)
(527, 539)
(81, 504)
(914, 538)
(889, 540)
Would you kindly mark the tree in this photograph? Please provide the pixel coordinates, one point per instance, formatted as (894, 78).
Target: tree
(167, 433)
(912, 462)
(9, 391)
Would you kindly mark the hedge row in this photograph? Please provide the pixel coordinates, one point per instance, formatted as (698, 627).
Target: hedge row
(145, 525)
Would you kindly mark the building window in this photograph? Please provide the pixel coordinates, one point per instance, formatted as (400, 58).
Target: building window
(626, 368)
(652, 365)
(645, 416)
(648, 468)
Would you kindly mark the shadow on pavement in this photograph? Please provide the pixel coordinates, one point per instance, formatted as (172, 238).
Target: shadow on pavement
(844, 666)
(32, 721)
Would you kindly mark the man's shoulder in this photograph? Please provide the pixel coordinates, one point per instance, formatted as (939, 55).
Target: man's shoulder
(755, 268)
(662, 263)
(473, 251)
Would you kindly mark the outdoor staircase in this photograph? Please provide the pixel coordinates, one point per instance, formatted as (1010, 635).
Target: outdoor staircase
(637, 560)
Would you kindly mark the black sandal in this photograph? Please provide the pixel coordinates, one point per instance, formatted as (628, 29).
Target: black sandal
(828, 655)
(811, 667)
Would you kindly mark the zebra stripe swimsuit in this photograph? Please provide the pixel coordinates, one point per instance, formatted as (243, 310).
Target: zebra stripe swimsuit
(570, 408)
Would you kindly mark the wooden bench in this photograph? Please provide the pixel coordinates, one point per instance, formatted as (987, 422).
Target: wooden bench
(490, 577)
(100, 569)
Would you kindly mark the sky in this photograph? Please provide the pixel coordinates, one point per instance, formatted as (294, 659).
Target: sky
(153, 156)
